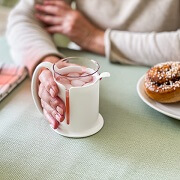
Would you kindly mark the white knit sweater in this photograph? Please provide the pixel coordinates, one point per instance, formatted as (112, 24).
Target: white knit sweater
(136, 31)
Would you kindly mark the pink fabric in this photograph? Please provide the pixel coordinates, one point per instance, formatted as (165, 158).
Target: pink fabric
(10, 76)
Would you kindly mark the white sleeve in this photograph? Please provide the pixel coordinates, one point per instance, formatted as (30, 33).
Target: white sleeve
(28, 41)
(142, 48)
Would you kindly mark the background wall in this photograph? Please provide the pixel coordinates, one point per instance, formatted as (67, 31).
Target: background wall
(5, 8)
(8, 3)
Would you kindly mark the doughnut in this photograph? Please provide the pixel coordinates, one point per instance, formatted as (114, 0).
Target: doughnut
(162, 82)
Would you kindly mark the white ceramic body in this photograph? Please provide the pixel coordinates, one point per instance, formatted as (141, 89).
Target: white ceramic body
(85, 119)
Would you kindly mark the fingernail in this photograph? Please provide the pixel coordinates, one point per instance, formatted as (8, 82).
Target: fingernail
(52, 93)
(59, 110)
(62, 119)
(58, 118)
(56, 125)
(54, 89)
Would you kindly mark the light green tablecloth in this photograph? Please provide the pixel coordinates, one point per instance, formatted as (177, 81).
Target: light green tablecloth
(136, 141)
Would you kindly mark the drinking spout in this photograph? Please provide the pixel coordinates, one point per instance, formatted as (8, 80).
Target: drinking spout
(104, 75)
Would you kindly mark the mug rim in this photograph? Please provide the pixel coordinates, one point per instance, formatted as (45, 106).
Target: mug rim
(65, 59)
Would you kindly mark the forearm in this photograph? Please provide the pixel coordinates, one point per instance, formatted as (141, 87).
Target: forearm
(50, 58)
(95, 42)
(142, 48)
(28, 41)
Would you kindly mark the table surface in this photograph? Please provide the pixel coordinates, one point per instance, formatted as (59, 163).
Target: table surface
(136, 141)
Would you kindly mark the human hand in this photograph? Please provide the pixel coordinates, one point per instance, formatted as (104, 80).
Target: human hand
(61, 18)
(53, 106)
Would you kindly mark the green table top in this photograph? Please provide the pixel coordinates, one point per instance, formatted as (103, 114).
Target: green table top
(136, 141)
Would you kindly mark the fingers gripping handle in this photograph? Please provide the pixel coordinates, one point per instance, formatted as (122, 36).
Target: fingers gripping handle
(35, 83)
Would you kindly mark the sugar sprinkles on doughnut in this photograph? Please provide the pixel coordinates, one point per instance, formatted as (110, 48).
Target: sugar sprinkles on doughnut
(162, 82)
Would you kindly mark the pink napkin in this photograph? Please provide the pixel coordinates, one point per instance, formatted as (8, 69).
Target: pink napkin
(10, 76)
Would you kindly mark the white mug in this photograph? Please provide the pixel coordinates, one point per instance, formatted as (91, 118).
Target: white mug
(83, 118)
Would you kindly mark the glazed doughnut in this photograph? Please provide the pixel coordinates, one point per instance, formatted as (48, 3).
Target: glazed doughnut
(162, 82)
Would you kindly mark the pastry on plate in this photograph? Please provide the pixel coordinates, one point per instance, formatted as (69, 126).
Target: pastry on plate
(162, 82)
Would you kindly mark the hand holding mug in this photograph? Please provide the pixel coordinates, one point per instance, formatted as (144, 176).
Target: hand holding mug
(53, 106)
(77, 81)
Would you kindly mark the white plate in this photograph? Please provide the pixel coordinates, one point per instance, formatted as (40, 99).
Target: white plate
(172, 110)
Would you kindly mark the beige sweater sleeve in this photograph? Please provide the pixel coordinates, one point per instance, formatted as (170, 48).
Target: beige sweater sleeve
(28, 41)
(142, 48)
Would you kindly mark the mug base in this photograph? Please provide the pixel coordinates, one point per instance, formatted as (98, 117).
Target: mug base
(97, 127)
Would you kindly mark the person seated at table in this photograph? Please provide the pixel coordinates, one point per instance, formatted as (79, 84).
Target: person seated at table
(132, 32)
